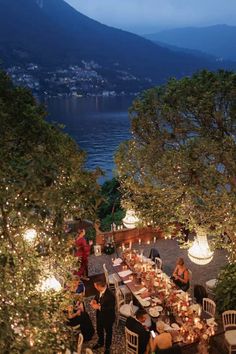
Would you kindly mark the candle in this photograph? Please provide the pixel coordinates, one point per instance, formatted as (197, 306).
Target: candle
(139, 241)
(154, 239)
(178, 307)
(199, 311)
(148, 243)
(123, 247)
(186, 297)
(130, 244)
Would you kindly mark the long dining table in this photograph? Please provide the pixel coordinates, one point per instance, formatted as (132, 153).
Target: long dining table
(162, 300)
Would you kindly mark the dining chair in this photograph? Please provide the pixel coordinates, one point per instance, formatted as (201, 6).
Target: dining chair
(158, 263)
(110, 278)
(123, 288)
(209, 306)
(131, 342)
(229, 323)
(123, 310)
(80, 343)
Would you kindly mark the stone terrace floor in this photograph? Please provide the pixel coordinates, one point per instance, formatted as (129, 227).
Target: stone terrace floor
(169, 251)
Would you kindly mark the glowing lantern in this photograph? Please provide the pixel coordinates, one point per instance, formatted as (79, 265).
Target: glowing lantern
(200, 252)
(130, 220)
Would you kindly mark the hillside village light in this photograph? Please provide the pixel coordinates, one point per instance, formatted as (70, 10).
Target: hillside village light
(200, 252)
(130, 220)
(30, 235)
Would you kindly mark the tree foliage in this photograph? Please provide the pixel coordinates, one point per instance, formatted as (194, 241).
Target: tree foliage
(225, 291)
(180, 164)
(42, 182)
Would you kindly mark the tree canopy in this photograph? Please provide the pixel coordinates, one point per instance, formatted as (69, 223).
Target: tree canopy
(43, 181)
(180, 164)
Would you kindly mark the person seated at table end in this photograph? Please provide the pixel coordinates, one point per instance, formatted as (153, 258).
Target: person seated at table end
(136, 325)
(163, 340)
(181, 275)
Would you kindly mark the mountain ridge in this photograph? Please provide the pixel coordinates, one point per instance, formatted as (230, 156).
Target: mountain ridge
(53, 34)
(217, 40)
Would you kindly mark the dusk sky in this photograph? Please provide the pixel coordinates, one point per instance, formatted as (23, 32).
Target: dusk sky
(146, 16)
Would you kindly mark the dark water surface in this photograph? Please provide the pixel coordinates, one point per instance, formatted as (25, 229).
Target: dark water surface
(98, 124)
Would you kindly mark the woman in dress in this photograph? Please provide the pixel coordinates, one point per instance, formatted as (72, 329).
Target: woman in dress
(82, 252)
(181, 275)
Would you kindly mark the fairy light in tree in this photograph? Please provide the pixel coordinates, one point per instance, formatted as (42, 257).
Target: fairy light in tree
(30, 235)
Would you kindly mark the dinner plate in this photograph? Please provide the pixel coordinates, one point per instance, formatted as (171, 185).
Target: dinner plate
(145, 303)
(153, 312)
(159, 308)
(175, 326)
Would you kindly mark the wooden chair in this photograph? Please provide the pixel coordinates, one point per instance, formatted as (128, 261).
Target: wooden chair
(110, 278)
(158, 263)
(229, 323)
(209, 306)
(80, 343)
(123, 310)
(123, 288)
(131, 342)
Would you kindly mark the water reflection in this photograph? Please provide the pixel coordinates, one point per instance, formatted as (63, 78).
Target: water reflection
(98, 124)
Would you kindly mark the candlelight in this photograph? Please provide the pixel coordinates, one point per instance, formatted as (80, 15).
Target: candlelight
(139, 241)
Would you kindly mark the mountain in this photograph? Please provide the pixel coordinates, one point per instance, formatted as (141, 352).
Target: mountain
(218, 40)
(54, 35)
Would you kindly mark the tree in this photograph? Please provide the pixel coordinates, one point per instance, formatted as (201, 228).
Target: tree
(42, 181)
(179, 165)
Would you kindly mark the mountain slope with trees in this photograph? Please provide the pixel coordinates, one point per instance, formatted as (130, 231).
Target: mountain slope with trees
(55, 35)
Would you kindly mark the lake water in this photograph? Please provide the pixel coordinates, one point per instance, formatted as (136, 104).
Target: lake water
(98, 124)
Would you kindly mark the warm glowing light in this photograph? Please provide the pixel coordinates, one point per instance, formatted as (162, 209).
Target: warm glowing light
(130, 220)
(50, 283)
(200, 252)
(30, 235)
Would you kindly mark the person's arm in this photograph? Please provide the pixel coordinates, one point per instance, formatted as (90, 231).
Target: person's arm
(175, 272)
(186, 277)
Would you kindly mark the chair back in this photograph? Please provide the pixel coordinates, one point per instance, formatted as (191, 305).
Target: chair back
(116, 283)
(132, 311)
(119, 299)
(106, 274)
(209, 306)
(158, 262)
(154, 253)
(131, 342)
(80, 343)
(229, 319)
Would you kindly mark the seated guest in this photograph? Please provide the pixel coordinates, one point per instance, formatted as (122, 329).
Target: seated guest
(163, 340)
(181, 275)
(78, 317)
(136, 325)
(76, 286)
(199, 293)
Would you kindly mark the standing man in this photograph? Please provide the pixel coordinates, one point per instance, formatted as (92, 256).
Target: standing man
(104, 304)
